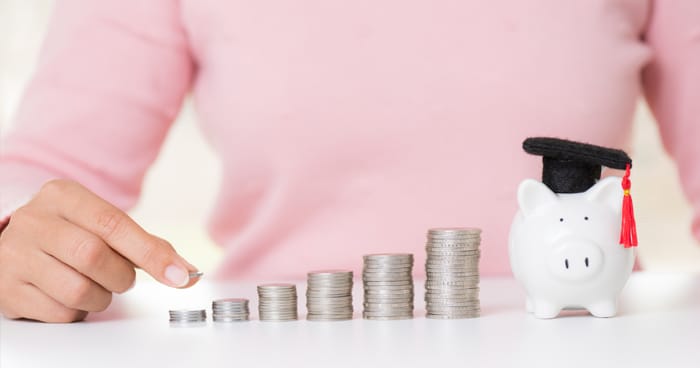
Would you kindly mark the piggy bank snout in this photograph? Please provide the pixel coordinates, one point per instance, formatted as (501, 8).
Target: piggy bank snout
(576, 260)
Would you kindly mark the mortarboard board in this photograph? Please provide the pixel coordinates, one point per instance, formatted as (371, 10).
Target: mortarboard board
(574, 167)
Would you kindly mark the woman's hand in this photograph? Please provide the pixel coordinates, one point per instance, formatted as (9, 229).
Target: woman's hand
(64, 253)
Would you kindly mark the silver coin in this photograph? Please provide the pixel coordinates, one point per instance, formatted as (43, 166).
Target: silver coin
(398, 262)
(277, 286)
(277, 298)
(451, 316)
(453, 256)
(385, 279)
(231, 319)
(451, 267)
(278, 315)
(388, 293)
(328, 318)
(465, 281)
(387, 256)
(447, 286)
(386, 267)
(316, 296)
(386, 317)
(330, 273)
(330, 306)
(384, 270)
(404, 314)
(450, 296)
(389, 283)
(329, 301)
(331, 312)
(388, 311)
(451, 303)
(407, 264)
(334, 312)
(471, 245)
(408, 287)
(329, 282)
(453, 239)
(389, 296)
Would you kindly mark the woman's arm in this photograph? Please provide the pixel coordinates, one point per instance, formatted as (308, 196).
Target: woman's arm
(672, 86)
(110, 81)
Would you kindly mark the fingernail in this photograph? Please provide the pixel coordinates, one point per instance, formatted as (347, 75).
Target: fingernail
(177, 276)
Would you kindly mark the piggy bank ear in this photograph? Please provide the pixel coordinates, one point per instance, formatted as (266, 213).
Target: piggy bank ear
(532, 195)
(607, 191)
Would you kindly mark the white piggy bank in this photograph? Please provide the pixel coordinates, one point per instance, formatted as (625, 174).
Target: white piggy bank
(564, 248)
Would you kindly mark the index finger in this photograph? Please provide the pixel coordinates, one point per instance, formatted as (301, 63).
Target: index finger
(154, 255)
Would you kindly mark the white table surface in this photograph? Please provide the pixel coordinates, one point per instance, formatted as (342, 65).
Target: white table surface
(658, 326)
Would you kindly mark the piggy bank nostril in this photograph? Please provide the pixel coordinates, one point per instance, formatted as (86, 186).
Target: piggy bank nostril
(586, 261)
(566, 263)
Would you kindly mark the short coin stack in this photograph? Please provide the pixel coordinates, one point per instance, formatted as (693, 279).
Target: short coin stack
(277, 302)
(188, 316)
(329, 295)
(230, 310)
(388, 284)
(452, 273)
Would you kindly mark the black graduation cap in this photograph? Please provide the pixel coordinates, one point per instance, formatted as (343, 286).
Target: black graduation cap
(573, 167)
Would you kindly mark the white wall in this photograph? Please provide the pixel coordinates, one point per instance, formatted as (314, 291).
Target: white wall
(175, 206)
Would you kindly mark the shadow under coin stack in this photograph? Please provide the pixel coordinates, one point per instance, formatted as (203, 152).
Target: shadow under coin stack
(452, 273)
(329, 295)
(277, 302)
(230, 310)
(188, 316)
(388, 284)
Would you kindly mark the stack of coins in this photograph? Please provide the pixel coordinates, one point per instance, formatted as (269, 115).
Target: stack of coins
(277, 302)
(452, 273)
(188, 316)
(388, 283)
(329, 295)
(230, 310)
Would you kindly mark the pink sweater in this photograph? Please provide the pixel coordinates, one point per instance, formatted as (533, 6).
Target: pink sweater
(348, 127)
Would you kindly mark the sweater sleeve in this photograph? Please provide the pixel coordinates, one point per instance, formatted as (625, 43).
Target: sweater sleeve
(111, 79)
(672, 86)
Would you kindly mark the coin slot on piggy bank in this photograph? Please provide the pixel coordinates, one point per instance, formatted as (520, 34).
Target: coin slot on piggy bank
(565, 240)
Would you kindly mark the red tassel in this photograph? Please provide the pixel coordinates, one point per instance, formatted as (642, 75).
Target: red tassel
(628, 230)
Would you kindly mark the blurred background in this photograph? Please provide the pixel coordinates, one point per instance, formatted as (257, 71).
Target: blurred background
(175, 206)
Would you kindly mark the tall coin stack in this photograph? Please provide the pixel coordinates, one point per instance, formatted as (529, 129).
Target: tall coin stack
(277, 302)
(452, 273)
(230, 310)
(329, 295)
(388, 284)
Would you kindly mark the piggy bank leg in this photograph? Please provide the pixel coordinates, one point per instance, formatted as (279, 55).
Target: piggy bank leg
(604, 309)
(544, 309)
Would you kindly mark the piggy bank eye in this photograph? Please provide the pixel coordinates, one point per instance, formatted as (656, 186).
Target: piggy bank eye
(586, 218)
(561, 219)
